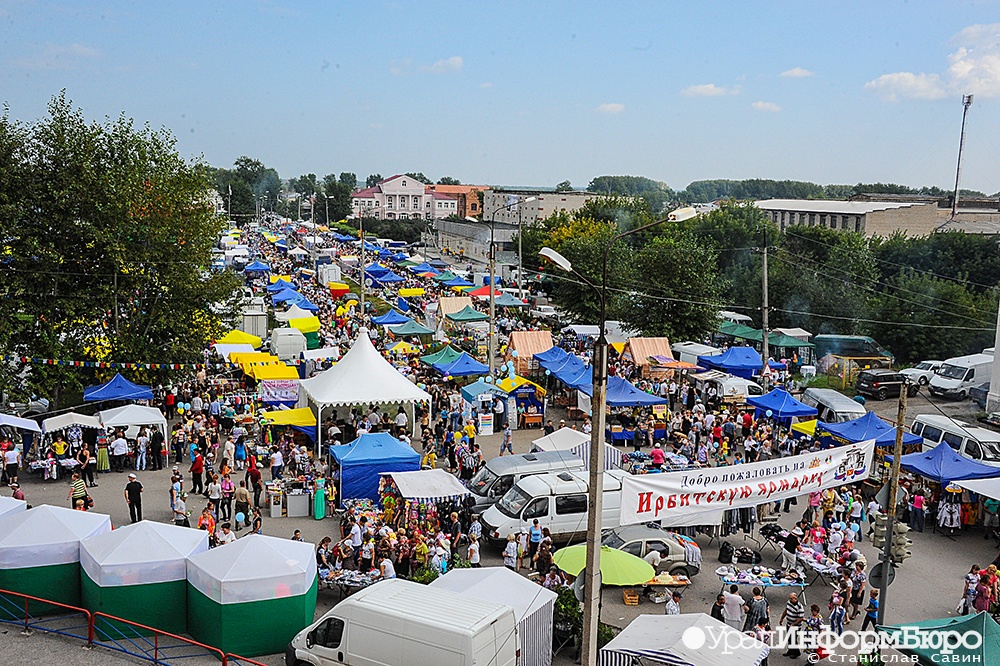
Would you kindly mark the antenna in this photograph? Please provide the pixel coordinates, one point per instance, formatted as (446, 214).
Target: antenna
(966, 103)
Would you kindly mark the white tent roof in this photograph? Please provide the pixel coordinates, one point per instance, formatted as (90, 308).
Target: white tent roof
(324, 353)
(253, 568)
(64, 421)
(500, 585)
(298, 252)
(9, 505)
(563, 439)
(225, 349)
(665, 639)
(988, 487)
(362, 376)
(18, 422)
(294, 312)
(46, 535)
(134, 415)
(429, 484)
(145, 552)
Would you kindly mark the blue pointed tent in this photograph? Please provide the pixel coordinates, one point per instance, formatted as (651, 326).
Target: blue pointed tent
(577, 377)
(375, 270)
(563, 367)
(279, 285)
(458, 282)
(424, 268)
(391, 318)
(304, 303)
(869, 426)
(623, 394)
(549, 355)
(944, 465)
(286, 294)
(479, 387)
(739, 361)
(118, 388)
(256, 266)
(363, 461)
(463, 366)
(402, 304)
(437, 263)
(781, 404)
(389, 277)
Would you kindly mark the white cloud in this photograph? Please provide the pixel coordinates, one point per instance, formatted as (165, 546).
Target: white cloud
(770, 107)
(796, 73)
(52, 56)
(973, 68)
(708, 90)
(485, 84)
(610, 108)
(452, 64)
(400, 67)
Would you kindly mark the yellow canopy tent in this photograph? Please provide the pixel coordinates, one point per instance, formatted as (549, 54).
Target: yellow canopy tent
(303, 416)
(275, 371)
(236, 337)
(286, 278)
(617, 346)
(339, 286)
(247, 360)
(403, 347)
(508, 384)
(806, 427)
(411, 291)
(305, 324)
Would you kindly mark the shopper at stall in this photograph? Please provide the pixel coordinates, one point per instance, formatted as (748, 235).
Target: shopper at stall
(197, 470)
(77, 492)
(793, 617)
(756, 610)
(133, 497)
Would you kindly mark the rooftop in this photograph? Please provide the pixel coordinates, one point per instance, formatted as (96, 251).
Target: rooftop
(837, 207)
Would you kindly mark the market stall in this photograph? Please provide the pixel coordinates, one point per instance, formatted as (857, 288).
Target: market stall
(978, 639)
(40, 553)
(524, 345)
(577, 443)
(139, 573)
(251, 596)
(742, 362)
(131, 417)
(117, 388)
(363, 461)
(533, 605)
(9, 505)
(665, 639)
(415, 498)
(781, 406)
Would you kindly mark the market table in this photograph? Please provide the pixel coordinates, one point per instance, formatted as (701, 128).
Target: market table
(349, 581)
(727, 578)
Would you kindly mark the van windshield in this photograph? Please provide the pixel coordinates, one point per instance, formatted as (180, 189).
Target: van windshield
(482, 481)
(952, 371)
(512, 502)
(991, 450)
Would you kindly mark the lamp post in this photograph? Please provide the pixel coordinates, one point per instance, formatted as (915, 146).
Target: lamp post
(595, 486)
(491, 255)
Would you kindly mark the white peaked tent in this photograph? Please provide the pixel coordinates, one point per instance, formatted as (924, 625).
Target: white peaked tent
(139, 573)
(224, 349)
(134, 415)
(10, 505)
(692, 639)
(533, 605)
(40, 550)
(64, 421)
(294, 312)
(577, 443)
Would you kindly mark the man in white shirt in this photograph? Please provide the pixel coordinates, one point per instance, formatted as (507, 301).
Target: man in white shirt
(654, 557)
(732, 609)
(225, 535)
(119, 449)
(673, 607)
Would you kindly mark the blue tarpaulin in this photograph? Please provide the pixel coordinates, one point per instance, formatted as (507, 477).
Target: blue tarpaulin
(363, 461)
(458, 282)
(478, 387)
(279, 286)
(257, 267)
(550, 354)
(389, 276)
(869, 426)
(463, 366)
(118, 388)
(944, 465)
(391, 318)
(286, 294)
(739, 361)
(402, 304)
(623, 394)
(781, 404)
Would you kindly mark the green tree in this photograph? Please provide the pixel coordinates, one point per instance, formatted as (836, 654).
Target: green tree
(657, 195)
(448, 180)
(339, 201)
(349, 179)
(304, 184)
(420, 177)
(373, 180)
(564, 186)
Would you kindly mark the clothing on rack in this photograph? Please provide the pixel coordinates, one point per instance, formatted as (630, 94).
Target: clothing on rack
(949, 515)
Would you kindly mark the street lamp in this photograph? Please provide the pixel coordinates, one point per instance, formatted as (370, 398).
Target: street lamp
(491, 341)
(599, 381)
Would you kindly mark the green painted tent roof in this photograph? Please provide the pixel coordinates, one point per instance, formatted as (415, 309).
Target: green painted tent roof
(468, 313)
(444, 277)
(506, 300)
(410, 328)
(738, 330)
(773, 339)
(445, 355)
(980, 624)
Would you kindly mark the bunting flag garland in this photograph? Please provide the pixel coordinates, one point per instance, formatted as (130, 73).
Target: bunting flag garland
(140, 365)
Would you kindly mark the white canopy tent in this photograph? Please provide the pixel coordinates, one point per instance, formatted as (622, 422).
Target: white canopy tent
(533, 605)
(577, 443)
(322, 353)
(70, 419)
(294, 312)
(225, 349)
(9, 505)
(988, 487)
(361, 377)
(133, 416)
(298, 252)
(144, 552)
(18, 422)
(47, 535)
(689, 639)
(251, 568)
(428, 484)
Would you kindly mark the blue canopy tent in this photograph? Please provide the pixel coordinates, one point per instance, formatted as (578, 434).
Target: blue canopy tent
(869, 426)
(286, 294)
(388, 277)
(391, 318)
(463, 366)
(781, 404)
(410, 328)
(363, 461)
(399, 256)
(304, 303)
(573, 373)
(550, 354)
(424, 268)
(118, 388)
(458, 282)
(563, 367)
(375, 270)
(437, 263)
(623, 394)
(383, 253)
(944, 465)
(402, 304)
(478, 387)
(344, 238)
(256, 267)
(281, 246)
(740, 361)
(280, 285)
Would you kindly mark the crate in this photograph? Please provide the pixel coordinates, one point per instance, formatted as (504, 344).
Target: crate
(630, 597)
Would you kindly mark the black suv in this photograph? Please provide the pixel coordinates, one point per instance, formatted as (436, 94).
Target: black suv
(882, 383)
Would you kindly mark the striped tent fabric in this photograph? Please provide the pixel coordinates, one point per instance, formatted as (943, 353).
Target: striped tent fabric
(671, 640)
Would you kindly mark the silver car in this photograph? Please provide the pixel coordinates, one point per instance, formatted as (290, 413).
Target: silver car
(640, 539)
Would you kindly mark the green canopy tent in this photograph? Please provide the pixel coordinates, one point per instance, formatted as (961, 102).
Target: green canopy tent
(506, 300)
(139, 573)
(410, 328)
(252, 596)
(467, 315)
(775, 339)
(446, 355)
(40, 554)
(444, 277)
(980, 624)
(735, 330)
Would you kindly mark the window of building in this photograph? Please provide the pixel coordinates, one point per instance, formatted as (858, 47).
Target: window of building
(377, 203)
(857, 223)
(428, 204)
(416, 202)
(833, 221)
(404, 183)
(822, 220)
(473, 206)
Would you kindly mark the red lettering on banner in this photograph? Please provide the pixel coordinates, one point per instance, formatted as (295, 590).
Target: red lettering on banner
(659, 504)
(685, 500)
(795, 483)
(645, 502)
(783, 485)
(771, 488)
(732, 494)
(671, 503)
(697, 498)
(710, 497)
(761, 489)
(745, 492)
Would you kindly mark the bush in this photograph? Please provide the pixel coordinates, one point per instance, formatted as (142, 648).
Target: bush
(424, 575)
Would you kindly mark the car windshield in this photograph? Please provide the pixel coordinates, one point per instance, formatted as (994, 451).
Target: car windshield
(952, 371)
(612, 540)
(482, 481)
(512, 502)
(922, 366)
(991, 450)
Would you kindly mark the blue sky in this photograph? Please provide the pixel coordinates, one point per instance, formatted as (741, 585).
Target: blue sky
(533, 92)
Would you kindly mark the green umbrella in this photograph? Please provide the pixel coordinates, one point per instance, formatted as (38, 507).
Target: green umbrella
(617, 566)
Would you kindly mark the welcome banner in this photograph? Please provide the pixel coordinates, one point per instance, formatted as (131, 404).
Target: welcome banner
(655, 497)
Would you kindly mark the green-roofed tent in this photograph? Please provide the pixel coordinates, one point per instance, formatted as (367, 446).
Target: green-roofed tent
(410, 328)
(139, 573)
(506, 300)
(252, 596)
(738, 331)
(980, 624)
(444, 277)
(775, 339)
(312, 340)
(446, 355)
(406, 263)
(467, 314)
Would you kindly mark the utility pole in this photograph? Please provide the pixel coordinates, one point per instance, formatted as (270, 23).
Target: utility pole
(520, 256)
(361, 231)
(765, 331)
(966, 103)
(890, 511)
(116, 301)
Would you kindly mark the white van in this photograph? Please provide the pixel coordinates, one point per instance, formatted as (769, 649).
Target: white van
(499, 475)
(397, 622)
(287, 343)
(972, 442)
(833, 406)
(558, 501)
(729, 388)
(959, 375)
(690, 351)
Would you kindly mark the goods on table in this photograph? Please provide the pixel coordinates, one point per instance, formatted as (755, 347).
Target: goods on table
(762, 576)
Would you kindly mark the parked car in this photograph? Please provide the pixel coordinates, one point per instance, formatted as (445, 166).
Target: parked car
(640, 539)
(544, 312)
(882, 383)
(979, 393)
(922, 372)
